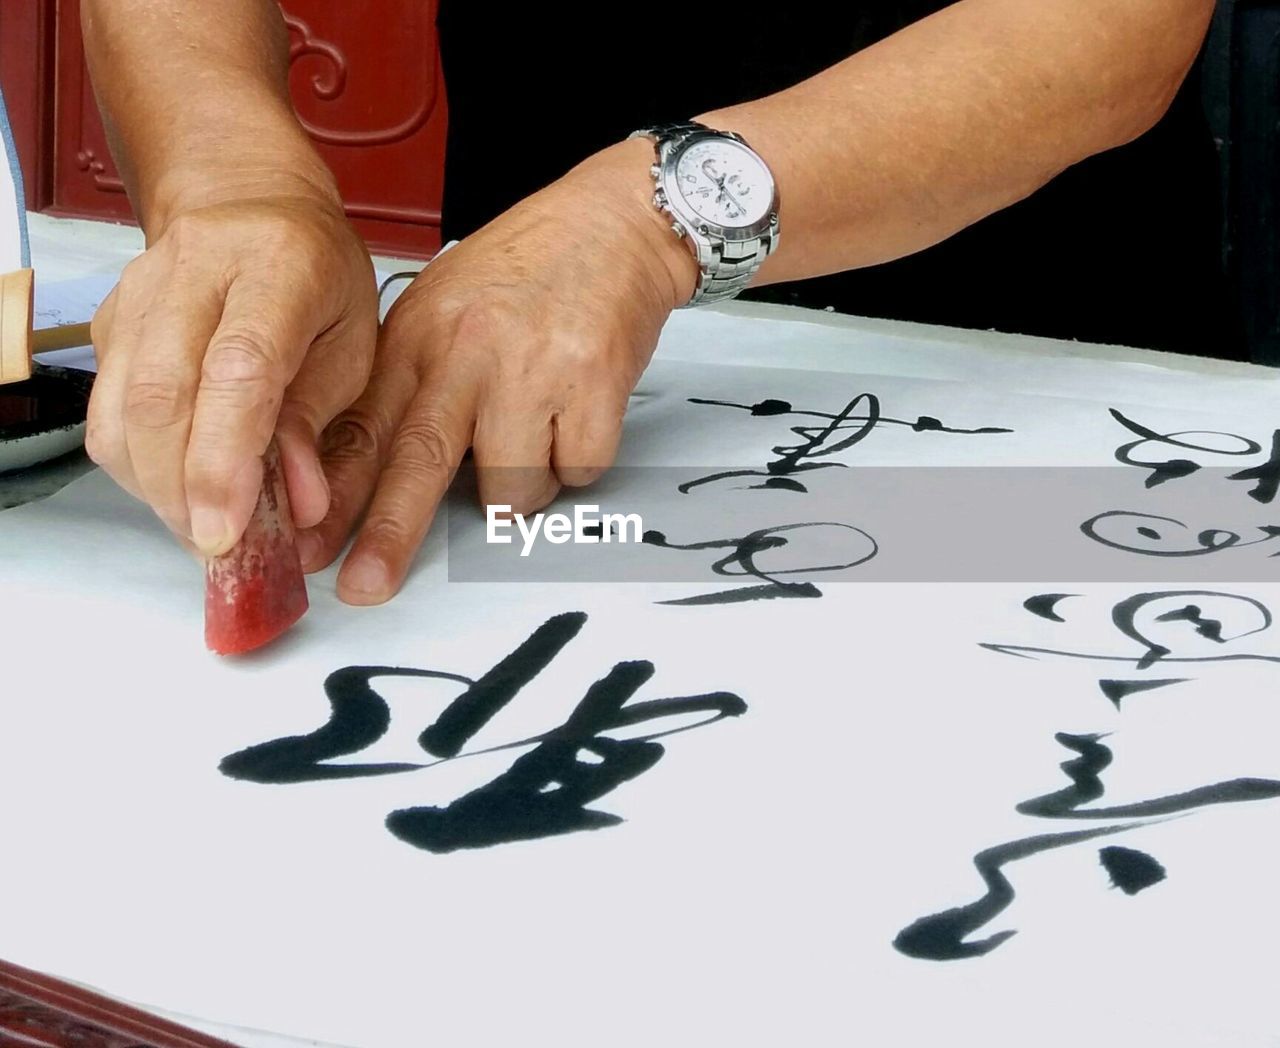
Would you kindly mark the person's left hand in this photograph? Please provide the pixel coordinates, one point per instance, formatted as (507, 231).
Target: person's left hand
(523, 342)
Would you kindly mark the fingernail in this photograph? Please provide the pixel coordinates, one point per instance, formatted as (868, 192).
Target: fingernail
(366, 577)
(309, 547)
(210, 530)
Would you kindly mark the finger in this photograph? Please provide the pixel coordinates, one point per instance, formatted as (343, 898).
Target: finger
(586, 438)
(255, 352)
(113, 334)
(513, 453)
(423, 456)
(352, 449)
(331, 378)
(160, 391)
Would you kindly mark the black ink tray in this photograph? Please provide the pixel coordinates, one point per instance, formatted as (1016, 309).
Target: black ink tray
(43, 417)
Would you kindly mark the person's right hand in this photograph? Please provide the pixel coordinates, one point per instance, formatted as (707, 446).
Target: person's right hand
(245, 318)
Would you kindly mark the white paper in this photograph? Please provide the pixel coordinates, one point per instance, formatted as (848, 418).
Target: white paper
(766, 863)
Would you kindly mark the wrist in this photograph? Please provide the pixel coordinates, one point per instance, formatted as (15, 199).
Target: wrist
(620, 177)
(186, 194)
(239, 170)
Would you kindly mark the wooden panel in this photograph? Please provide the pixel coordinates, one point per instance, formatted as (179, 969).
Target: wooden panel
(26, 74)
(367, 83)
(85, 179)
(368, 87)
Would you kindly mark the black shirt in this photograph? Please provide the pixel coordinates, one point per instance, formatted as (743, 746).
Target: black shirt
(1123, 248)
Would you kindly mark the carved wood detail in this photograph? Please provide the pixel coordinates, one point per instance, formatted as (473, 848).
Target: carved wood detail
(375, 107)
(304, 44)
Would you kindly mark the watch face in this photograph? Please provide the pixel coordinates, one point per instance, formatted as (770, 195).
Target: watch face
(724, 182)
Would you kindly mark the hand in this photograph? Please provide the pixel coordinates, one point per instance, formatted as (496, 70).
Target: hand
(524, 343)
(244, 318)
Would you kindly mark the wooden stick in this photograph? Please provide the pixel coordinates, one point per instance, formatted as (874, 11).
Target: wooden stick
(65, 336)
(15, 325)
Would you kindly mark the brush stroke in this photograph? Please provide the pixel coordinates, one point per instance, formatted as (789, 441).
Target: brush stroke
(1119, 690)
(1045, 605)
(944, 936)
(1267, 474)
(1163, 471)
(1130, 870)
(1124, 617)
(740, 561)
(1085, 772)
(841, 432)
(1206, 541)
(544, 793)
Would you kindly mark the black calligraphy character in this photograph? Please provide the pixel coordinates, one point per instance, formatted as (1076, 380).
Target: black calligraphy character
(544, 793)
(359, 716)
(944, 936)
(741, 560)
(818, 441)
(1125, 617)
(1161, 541)
(1267, 474)
(1085, 773)
(1164, 470)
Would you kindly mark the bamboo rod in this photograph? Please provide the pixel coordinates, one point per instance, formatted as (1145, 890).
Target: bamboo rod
(65, 336)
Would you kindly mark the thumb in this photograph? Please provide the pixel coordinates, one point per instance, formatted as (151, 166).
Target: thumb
(255, 351)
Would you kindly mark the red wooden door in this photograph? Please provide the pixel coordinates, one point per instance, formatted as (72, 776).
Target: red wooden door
(366, 82)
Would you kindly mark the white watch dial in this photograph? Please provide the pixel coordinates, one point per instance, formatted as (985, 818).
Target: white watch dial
(724, 182)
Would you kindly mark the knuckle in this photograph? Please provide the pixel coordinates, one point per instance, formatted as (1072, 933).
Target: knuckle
(388, 531)
(238, 359)
(578, 352)
(352, 435)
(152, 403)
(424, 443)
(479, 321)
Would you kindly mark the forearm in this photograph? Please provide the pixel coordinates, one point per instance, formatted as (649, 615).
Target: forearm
(195, 97)
(958, 116)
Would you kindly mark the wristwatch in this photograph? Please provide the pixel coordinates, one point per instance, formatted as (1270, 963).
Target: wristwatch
(722, 201)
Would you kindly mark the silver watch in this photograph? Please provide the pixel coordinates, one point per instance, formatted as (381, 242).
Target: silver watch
(722, 201)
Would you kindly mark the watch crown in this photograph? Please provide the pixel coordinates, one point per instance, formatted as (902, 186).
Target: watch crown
(655, 170)
(678, 229)
(773, 219)
(659, 199)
